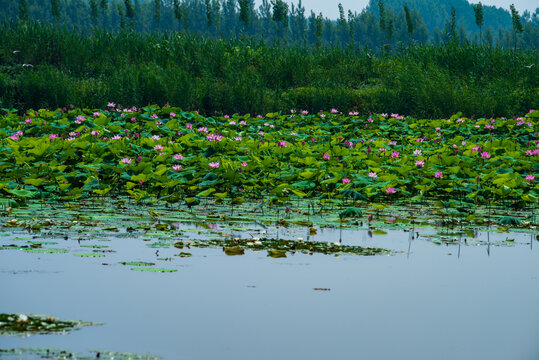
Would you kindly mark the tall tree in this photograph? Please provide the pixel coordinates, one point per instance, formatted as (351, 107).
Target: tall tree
(479, 21)
(178, 11)
(245, 12)
(55, 8)
(104, 4)
(517, 24)
(319, 21)
(157, 11)
(280, 13)
(453, 24)
(351, 25)
(209, 13)
(342, 24)
(23, 10)
(216, 10)
(121, 14)
(381, 9)
(409, 20)
(342, 18)
(301, 21)
(129, 10)
(94, 11)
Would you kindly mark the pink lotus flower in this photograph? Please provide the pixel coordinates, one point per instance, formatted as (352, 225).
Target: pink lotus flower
(304, 112)
(476, 148)
(172, 114)
(282, 144)
(334, 111)
(158, 147)
(126, 160)
(232, 123)
(176, 167)
(326, 157)
(178, 157)
(417, 152)
(95, 133)
(530, 178)
(154, 116)
(382, 149)
(420, 163)
(346, 181)
(111, 105)
(391, 190)
(189, 126)
(392, 143)
(438, 175)
(373, 175)
(244, 164)
(243, 122)
(214, 165)
(237, 138)
(214, 137)
(28, 121)
(203, 129)
(485, 155)
(395, 154)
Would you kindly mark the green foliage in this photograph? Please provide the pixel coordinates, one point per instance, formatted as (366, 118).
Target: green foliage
(247, 76)
(409, 20)
(187, 158)
(55, 8)
(23, 9)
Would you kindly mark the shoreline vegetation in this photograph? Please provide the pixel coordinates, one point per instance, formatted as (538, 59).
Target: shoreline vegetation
(47, 66)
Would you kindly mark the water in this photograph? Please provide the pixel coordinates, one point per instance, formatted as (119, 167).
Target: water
(427, 301)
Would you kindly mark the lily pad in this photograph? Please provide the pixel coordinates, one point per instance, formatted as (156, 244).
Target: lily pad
(148, 269)
(25, 324)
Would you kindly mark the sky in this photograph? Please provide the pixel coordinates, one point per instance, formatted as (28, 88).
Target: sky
(329, 7)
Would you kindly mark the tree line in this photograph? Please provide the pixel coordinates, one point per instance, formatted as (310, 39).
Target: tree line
(382, 24)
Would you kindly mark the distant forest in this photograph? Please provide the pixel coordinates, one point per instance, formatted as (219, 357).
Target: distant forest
(383, 24)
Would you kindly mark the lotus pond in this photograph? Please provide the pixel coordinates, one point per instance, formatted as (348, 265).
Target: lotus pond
(156, 233)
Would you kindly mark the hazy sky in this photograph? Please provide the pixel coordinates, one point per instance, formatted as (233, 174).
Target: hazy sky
(329, 7)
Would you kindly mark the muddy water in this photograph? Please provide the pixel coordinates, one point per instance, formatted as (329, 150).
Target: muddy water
(474, 300)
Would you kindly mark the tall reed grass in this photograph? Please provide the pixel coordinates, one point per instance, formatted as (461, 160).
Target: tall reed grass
(249, 76)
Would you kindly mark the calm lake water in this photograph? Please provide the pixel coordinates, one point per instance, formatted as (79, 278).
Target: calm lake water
(426, 301)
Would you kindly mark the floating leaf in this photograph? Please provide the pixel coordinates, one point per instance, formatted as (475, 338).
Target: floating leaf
(236, 250)
(148, 269)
